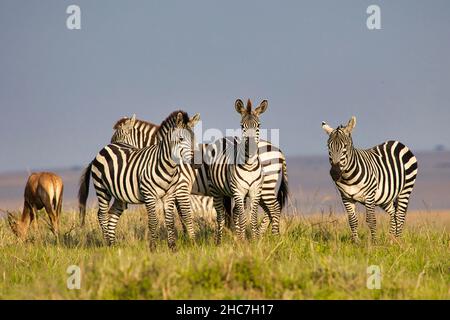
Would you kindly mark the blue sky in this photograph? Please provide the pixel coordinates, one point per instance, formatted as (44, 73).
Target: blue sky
(62, 90)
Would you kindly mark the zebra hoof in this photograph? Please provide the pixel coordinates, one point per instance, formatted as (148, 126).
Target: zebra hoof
(256, 237)
(152, 246)
(374, 241)
(173, 247)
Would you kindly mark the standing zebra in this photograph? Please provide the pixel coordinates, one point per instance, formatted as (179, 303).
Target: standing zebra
(234, 170)
(131, 175)
(140, 134)
(381, 176)
(275, 186)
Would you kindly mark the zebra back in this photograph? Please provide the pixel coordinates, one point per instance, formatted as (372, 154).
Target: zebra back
(135, 132)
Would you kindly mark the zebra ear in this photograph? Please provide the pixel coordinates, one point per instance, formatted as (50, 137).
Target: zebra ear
(128, 124)
(326, 128)
(132, 120)
(194, 120)
(239, 106)
(350, 125)
(179, 121)
(262, 108)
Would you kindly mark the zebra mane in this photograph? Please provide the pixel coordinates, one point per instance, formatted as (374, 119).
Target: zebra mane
(138, 122)
(170, 121)
(249, 106)
(341, 128)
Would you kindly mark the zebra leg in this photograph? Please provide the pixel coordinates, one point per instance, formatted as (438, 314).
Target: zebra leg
(352, 218)
(114, 215)
(218, 205)
(169, 205)
(229, 214)
(400, 212)
(264, 224)
(178, 208)
(254, 201)
(370, 219)
(183, 199)
(267, 219)
(240, 216)
(237, 226)
(102, 214)
(390, 209)
(272, 212)
(150, 205)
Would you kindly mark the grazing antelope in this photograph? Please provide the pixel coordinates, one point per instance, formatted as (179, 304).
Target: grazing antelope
(44, 190)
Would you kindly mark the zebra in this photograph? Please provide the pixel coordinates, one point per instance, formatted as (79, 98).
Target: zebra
(275, 185)
(203, 205)
(140, 134)
(381, 176)
(132, 175)
(234, 170)
(137, 133)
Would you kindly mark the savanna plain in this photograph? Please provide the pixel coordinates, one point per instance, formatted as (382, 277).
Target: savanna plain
(313, 258)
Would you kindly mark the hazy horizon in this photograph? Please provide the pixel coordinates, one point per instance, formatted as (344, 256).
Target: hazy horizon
(321, 156)
(62, 90)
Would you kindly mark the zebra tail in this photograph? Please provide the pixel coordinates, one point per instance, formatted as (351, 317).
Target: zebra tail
(83, 192)
(283, 191)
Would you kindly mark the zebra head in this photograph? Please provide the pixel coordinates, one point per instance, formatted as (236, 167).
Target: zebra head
(340, 145)
(250, 124)
(124, 129)
(182, 138)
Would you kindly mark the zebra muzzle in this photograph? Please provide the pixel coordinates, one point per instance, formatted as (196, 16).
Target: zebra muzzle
(335, 172)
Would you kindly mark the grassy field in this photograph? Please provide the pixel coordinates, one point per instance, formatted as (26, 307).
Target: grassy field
(312, 259)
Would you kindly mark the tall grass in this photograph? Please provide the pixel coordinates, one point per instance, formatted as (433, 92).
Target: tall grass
(312, 259)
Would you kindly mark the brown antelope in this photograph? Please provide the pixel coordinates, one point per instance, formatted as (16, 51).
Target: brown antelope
(44, 190)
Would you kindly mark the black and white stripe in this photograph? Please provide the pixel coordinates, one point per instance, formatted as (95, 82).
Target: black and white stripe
(275, 185)
(234, 170)
(203, 205)
(135, 132)
(131, 175)
(381, 176)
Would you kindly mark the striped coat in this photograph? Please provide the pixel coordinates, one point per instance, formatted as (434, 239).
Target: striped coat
(380, 176)
(131, 175)
(275, 184)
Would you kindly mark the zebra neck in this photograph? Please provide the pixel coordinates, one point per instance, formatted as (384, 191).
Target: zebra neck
(245, 158)
(249, 166)
(165, 156)
(354, 164)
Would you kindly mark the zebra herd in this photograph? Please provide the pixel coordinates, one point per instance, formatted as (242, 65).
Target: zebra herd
(145, 163)
(121, 171)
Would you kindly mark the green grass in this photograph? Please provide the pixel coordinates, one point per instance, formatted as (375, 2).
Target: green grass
(312, 259)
